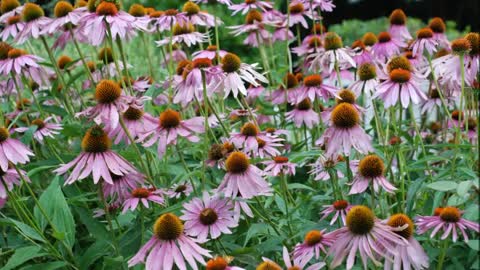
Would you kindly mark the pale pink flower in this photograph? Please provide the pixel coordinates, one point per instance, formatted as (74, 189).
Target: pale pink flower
(12, 150)
(36, 21)
(297, 264)
(314, 242)
(278, 166)
(398, 25)
(386, 47)
(340, 208)
(10, 178)
(179, 190)
(44, 129)
(209, 217)
(170, 245)
(424, 42)
(249, 5)
(13, 26)
(122, 186)
(303, 114)
(143, 195)
(370, 173)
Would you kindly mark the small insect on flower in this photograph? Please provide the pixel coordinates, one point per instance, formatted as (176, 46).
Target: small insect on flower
(170, 245)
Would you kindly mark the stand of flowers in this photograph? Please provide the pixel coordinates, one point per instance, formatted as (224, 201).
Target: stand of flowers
(132, 137)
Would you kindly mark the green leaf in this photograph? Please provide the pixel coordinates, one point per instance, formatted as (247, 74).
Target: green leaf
(45, 266)
(474, 244)
(22, 255)
(55, 110)
(464, 187)
(299, 186)
(443, 185)
(27, 230)
(255, 229)
(95, 251)
(281, 204)
(28, 135)
(54, 204)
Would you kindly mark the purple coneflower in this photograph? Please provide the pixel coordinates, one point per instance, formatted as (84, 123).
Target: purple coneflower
(107, 20)
(296, 264)
(340, 208)
(297, 13)
(219, 263)
(278, 166)
(255, 27)
(361, 54)
(345, 132)
(367, 79)
(210, 216)
(303, 114)
(143, 195)
(10, 178)
(398, 25)
(322, 166)
(10, 8)
(367, 235)
(185, 34)
(438, 27)
(288, 92)
(35, 20)
(334, 54)
(210, 52)
(165, 21)
(410, 256)
(250, 5)
(122, 186)
(19, 61)
(247, 137)
(424, 42)
(243, 178)
(179, 190)
(386, 47)
(314, 242)
(449, 220)
(12, 150)
(370, 172)
(137, 122)
(235, 73)
(198, 17)
(65, 17)
(14, 25)
(267, 148)
(314, 87)
(168, 127)
(97, 159)
(110, 103)
(44, 129)
(170, 245)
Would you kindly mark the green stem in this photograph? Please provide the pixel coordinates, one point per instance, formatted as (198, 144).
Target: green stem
(82, 57)
(443, 252)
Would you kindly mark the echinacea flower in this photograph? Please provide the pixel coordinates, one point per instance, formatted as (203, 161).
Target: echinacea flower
(296, 264)
(314, 242)
(323, 165)
(97, 159)
(243, 178)
(10, 178)
(424, 42)
(248, 137)
(449, 220)
(107, 20)
(398, 25)
(167, 129)
(179, 190)
(297, 13)
(303, 114)
(410, 256)
(250, 5)
(219, 263)
(198, 17)
(278, 166)
(324, 5)
(44, 129)
(12, 150)
(438, 27)
(345, 132)
(12, 28)
(110, 103)
(168, 19)
(340, 208)
(360, 53)
(35, 20)
(334, 54)
(170, 245)
(387, 46)
(210, 52)
(208, 217)
(402, 86)
(434, 101)
(137, 122)
(314, 87)
(122, 186)
(367, 79)
(255, 27)
(288, 92)
(235, 73)
(10, 8)
(143, 195)
(267, 148)
(367, 235)
(370, 173)
(185, 34)
(19, 61)
(66, 16)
